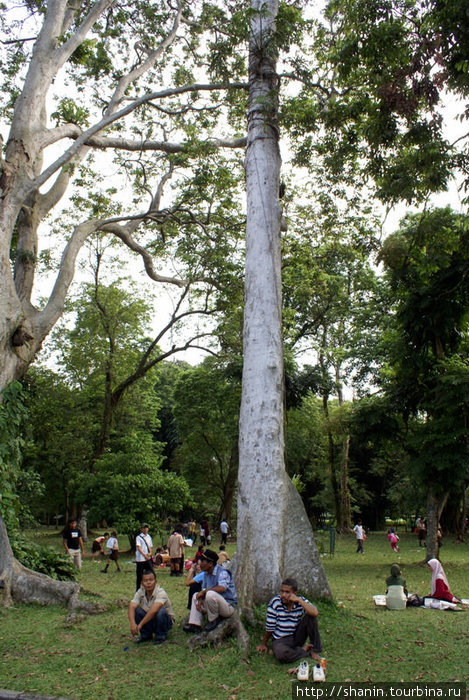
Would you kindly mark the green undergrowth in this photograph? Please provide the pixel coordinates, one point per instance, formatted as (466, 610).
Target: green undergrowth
(96, 658)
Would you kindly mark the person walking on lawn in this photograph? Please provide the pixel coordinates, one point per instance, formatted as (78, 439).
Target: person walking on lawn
(360, 536)
(112, 546)
(73, 542)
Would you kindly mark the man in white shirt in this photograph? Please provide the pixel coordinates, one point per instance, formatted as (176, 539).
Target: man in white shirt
(359, 534)
(224, 531)
(143, 552)
(150, 611)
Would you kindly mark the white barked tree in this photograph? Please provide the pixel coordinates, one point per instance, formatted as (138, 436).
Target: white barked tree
(275, 538)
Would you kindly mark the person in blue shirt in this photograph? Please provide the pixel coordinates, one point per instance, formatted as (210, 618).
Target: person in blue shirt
(217, 599)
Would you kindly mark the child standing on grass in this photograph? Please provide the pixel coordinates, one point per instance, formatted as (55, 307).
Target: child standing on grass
(359, 531)
(112, 546)
(393, 540)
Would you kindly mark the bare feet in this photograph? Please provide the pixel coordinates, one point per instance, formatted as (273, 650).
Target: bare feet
(314, 655)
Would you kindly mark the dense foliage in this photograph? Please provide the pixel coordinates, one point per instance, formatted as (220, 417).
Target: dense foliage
(114, 425)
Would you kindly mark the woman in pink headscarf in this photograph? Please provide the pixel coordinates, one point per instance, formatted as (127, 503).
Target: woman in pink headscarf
(440, 587)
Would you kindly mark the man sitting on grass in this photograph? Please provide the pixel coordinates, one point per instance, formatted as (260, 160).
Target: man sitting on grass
(217, 597)
(290, 620)
(150, 611)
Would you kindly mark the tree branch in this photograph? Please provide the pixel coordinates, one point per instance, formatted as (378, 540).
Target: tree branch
(72, 131)
(80, 34)
(143, 368)
(83, 139)
(54, 307)
(165, 146)
(123, 234)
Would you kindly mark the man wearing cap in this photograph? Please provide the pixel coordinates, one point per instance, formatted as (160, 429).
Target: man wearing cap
(143, 550)
(217, 598)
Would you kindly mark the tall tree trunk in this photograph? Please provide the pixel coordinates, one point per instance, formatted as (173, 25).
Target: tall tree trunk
(269, 508)
(345, 521)
(331, 452)
(432, 525)
(463, 514)
(230, 484)
(345, 509)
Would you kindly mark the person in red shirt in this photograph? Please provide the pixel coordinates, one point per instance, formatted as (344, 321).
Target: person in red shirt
(440, 587)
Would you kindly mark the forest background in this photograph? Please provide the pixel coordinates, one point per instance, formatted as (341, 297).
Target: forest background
(104, 410)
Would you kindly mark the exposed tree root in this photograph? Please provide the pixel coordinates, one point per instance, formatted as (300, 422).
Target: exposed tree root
(230, 626)
(23, 585)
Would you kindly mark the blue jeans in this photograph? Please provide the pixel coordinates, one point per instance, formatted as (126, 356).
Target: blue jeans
(158, 625)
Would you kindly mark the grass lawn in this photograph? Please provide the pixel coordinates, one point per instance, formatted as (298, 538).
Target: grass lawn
(96, 658)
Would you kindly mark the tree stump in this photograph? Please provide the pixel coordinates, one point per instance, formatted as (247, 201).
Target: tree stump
(230, 626)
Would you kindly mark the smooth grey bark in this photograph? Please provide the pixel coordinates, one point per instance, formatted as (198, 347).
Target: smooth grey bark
(275, 538)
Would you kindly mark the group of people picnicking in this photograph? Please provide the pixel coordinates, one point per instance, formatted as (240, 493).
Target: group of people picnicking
(398, 597)
(291, 623)
(291, 618)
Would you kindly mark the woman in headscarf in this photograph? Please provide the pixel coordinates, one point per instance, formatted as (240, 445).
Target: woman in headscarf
(396, 595)
(439, 586)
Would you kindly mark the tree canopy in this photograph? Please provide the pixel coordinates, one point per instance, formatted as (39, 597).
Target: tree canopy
(125, 127)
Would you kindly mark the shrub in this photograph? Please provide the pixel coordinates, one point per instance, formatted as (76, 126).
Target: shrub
(45, 560)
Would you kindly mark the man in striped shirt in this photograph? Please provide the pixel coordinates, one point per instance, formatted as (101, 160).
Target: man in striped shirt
(291, 619)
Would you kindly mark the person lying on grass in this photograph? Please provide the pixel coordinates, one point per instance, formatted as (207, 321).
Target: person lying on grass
(150, 611)
(291, 619)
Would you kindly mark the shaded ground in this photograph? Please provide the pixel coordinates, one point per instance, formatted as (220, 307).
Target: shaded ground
(97, 659)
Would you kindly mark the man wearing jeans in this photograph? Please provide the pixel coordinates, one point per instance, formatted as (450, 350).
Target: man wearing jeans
(150, 611)
(291, 619)
(217, 598)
